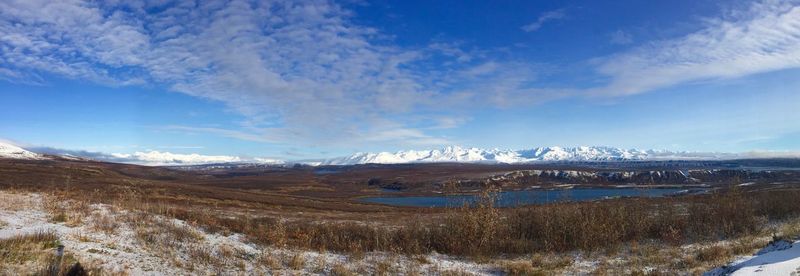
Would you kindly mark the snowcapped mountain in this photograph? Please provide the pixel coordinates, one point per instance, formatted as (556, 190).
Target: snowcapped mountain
(13, 152)
(454, 154)
(546, 154)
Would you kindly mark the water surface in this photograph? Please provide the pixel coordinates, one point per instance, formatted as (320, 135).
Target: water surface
(527, 197)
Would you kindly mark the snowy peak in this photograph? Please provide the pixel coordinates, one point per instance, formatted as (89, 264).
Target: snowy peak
(13, 152)
(477, 155)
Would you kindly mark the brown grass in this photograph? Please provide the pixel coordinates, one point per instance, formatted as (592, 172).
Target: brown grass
(35, 252)
(341, 270)
(27, 248)
(103, 222)
(483, 230)
(713, 253)
(297, 262)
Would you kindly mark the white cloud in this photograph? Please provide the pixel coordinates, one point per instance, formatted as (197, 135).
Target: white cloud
(770, 154)
(167, 158)
(411, 136)
(236, 134)
(448, 122)
(764, 38)
(303, 72)
(543, 18)
(303, 66)
(155, 158)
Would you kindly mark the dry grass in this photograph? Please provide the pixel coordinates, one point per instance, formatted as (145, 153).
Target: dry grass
(475, 231)
(647, 230)
(103, 222)
(453, 272)
(713, 253)
(341, 270)
(538, 264)
(790, 228)
(35, 252)
(63, 209)
(520, 268)
(16, 200)
(28, 249)
(269, 260)
(297, 262)
(483, 230)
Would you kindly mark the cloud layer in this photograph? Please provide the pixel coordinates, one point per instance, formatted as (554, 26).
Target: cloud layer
(167, 158)
(304, 72)
(763, 38)
(155, 158)
(297, 70)
(544, 18)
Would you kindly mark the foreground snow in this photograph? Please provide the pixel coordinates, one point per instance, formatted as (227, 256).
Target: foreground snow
(778, 258)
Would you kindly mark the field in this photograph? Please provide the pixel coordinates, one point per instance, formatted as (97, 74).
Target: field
(127, 219)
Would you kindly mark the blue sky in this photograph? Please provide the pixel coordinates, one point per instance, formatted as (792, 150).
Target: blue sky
(314, 79)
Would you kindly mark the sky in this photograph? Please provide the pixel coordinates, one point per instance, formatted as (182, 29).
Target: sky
(294, 80)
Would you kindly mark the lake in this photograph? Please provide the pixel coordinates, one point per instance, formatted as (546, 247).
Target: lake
(527, 197)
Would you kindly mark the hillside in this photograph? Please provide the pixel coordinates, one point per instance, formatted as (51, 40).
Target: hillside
(8, 150)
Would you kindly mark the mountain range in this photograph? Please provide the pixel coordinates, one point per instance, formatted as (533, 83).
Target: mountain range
(452, 154)
(539, 154)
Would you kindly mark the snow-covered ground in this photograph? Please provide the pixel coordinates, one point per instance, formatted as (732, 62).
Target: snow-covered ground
(778, 258)
(120, 241)
(120, 250)
(8, 150)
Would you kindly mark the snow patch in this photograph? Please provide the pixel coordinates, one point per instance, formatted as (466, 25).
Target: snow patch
(780, 257)
(7, 150)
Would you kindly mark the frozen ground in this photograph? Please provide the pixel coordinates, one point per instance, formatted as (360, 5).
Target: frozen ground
(121, 251)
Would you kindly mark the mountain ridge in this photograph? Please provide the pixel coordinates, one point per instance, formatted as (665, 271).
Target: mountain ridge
(539, 154)
(448, 154)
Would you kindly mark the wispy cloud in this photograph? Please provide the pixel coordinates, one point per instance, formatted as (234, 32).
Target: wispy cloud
(770, 154)
(304, 72)
(153, 157)
(301, 65)
(543, 18)
(236, 134)
(764, 38)
(157, 158)
(621, 37)
(387, 132)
